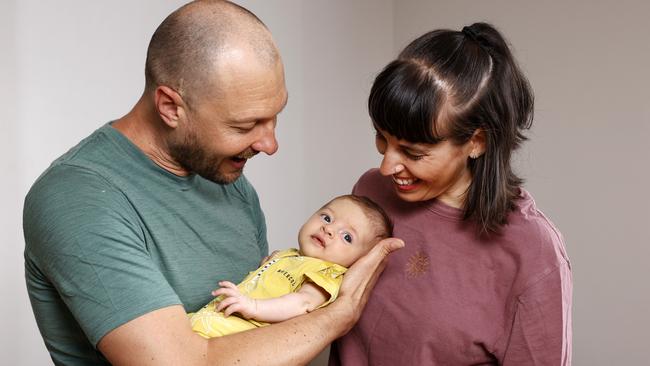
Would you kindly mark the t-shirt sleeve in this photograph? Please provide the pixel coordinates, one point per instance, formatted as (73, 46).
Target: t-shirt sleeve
(86, 240)
(329, 279)
(541, 332)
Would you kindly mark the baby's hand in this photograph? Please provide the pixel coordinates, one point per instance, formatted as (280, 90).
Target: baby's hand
(234, 301)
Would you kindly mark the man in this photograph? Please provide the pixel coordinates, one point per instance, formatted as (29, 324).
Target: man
(134, 225)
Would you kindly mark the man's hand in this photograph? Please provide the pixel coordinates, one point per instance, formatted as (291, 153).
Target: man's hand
(234, 301)
(360, 279)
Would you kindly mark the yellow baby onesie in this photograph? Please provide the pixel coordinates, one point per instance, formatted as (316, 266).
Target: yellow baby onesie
(282, 274)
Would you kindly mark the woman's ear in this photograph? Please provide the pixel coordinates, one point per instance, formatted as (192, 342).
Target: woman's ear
(169, 105)
(477, 143)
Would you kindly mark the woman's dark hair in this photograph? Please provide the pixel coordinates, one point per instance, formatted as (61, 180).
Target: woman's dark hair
(448, 84)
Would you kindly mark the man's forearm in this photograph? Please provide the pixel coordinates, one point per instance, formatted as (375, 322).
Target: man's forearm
(164, 337)
(293, 342)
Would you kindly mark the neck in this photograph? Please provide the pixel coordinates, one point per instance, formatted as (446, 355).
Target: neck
(456, 195)
(146, 130)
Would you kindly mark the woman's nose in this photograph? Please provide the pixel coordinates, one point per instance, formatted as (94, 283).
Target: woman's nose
(390, 164)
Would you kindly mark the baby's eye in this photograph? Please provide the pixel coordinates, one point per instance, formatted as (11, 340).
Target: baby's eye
(347, 237)
(326, 218)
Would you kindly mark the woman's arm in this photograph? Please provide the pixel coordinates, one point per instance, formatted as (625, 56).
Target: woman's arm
(541, 331)
(308, 298)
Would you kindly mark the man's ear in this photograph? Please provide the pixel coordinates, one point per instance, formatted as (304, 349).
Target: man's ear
(477, 143)
(169, 105)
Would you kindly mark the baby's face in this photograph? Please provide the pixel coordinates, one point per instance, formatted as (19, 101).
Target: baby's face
(339, 232)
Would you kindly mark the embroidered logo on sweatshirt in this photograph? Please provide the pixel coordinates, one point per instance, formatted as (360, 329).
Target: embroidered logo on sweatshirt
(417, 265)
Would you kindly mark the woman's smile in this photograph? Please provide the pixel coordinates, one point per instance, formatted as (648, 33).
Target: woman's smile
(406, 184)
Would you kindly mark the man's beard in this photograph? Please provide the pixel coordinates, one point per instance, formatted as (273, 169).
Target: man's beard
(195, 159)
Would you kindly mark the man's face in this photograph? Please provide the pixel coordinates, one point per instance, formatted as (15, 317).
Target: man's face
(221, 132)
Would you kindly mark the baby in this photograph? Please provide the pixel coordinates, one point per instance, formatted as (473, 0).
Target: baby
(297, 281)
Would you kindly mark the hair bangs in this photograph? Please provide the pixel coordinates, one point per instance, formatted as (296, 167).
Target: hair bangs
(405, 101)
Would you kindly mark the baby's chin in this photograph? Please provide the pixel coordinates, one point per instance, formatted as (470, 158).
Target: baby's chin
(311, 254)
(308, 253)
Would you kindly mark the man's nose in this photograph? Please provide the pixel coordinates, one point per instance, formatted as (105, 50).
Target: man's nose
(267, 142)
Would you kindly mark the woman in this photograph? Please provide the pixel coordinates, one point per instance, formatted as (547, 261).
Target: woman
(484, 278)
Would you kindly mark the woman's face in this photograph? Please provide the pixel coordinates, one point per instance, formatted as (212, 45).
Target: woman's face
(421, 172)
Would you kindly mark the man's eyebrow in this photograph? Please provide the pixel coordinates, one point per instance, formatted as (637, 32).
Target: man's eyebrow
(249, 120)
(245, 120)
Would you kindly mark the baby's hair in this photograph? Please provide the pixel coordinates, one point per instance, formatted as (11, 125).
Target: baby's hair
(378, 218)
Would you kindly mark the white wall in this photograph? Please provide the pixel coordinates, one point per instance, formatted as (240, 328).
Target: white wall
(587, 160)
(66, 67)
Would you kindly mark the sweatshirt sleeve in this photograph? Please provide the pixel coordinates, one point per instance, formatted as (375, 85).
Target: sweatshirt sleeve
(541, 331)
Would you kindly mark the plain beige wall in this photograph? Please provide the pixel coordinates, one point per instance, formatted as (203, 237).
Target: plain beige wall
(66, 67)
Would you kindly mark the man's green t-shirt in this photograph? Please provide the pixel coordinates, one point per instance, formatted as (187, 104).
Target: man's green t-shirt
(111, 236)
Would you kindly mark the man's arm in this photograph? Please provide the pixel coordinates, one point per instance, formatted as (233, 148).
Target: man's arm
(164, 336)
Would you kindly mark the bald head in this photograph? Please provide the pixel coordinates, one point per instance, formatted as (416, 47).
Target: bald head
(186, 49)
